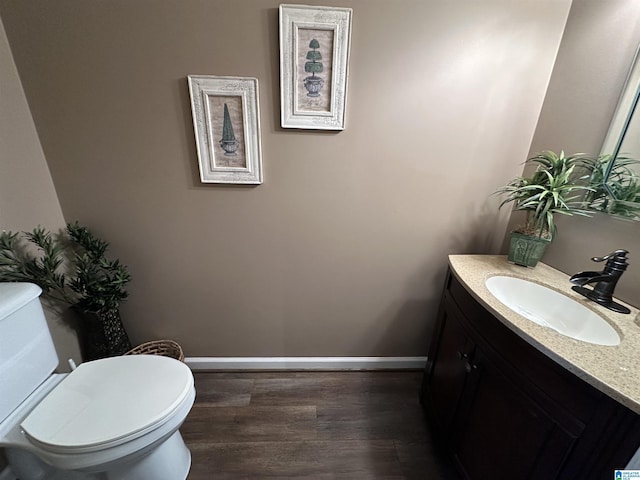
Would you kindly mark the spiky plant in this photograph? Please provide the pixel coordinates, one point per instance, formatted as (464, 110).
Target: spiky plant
(99, 283)
(35, 257)
(554, 188)
(71, 268)
(616, 191)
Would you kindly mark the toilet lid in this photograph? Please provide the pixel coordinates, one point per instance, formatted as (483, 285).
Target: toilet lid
(108, 401)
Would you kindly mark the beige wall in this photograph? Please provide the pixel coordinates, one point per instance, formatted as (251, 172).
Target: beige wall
(596, 52)
(342, 250)
(27, 195)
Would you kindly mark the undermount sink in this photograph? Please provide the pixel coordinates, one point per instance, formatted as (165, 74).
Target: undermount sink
(552, 309)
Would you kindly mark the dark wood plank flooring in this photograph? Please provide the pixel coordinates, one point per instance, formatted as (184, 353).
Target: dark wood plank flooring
(311, 425)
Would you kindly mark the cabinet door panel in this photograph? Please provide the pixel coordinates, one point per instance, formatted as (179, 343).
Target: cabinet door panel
(578, 399)
(502, 433)
(448, 375)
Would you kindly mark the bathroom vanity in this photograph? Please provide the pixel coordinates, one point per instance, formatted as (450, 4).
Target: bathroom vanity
(512, 399)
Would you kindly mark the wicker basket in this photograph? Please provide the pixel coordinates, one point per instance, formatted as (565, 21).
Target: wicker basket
(167, 348)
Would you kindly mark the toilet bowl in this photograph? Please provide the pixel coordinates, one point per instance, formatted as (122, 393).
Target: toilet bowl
(110, 419)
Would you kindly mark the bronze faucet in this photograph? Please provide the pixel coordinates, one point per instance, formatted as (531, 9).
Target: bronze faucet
(605, 281)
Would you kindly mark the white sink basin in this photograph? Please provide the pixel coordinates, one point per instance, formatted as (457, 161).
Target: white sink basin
(552, 309)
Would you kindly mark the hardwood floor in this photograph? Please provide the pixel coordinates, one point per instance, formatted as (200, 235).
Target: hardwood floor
(311, 425)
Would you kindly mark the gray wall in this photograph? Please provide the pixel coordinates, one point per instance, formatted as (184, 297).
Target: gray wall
(27, 195)
(342, 250)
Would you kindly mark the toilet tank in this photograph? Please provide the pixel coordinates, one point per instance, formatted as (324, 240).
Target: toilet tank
(27, 354)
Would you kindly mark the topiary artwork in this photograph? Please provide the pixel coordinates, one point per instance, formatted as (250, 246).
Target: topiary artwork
(228, 142)
(314, 65)
(227, 127)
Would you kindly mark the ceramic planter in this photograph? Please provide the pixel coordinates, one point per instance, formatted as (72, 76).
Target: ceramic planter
(229, 146)
(526, 250)
(313, 86)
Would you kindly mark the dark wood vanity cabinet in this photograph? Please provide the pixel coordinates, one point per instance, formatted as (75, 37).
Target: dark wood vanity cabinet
(505, 410)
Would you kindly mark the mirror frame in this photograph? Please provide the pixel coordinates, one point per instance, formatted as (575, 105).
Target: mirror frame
(622, 116)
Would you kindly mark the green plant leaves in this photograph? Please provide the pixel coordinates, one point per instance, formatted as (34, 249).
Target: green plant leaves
(547, 192)
(70, 268)
(617, 194)
(34, 257)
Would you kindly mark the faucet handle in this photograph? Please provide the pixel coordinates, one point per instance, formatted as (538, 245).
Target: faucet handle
(618, 254)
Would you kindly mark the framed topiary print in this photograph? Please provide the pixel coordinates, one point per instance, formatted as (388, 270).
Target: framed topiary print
(314, 59)
(226, 122)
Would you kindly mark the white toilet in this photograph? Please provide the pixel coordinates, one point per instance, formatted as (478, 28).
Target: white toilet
(110, 419)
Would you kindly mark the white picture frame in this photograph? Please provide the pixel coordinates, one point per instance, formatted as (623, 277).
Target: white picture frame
(226, 123)
(316, 41)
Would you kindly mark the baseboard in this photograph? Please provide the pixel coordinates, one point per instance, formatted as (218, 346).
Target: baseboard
(305, 363)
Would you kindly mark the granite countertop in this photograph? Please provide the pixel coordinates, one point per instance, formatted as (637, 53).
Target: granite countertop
(614, 371)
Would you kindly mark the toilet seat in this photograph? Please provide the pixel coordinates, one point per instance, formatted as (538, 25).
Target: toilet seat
(109, 402)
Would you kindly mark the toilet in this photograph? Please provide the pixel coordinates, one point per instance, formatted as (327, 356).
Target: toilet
(111, 419)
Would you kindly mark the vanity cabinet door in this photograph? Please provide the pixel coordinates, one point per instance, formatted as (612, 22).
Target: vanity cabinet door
(501, 432)
(491, 417)
(447, 375)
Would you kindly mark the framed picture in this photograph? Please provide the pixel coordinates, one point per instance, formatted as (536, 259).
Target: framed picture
(314, 60)
(226, 121)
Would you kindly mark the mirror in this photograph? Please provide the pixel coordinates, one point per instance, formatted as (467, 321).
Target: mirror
(615, 174)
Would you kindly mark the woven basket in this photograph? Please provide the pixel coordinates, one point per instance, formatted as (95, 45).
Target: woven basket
(166, 348)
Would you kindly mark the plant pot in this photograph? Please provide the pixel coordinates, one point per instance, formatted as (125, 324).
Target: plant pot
(102, 334)
(313, 86)
(526, 250)
(229, 146)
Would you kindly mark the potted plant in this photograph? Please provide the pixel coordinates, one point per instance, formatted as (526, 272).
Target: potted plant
(312, 83)
(72, 268)
(554, 188)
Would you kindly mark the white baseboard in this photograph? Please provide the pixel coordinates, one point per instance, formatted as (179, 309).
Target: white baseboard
(305, 363)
